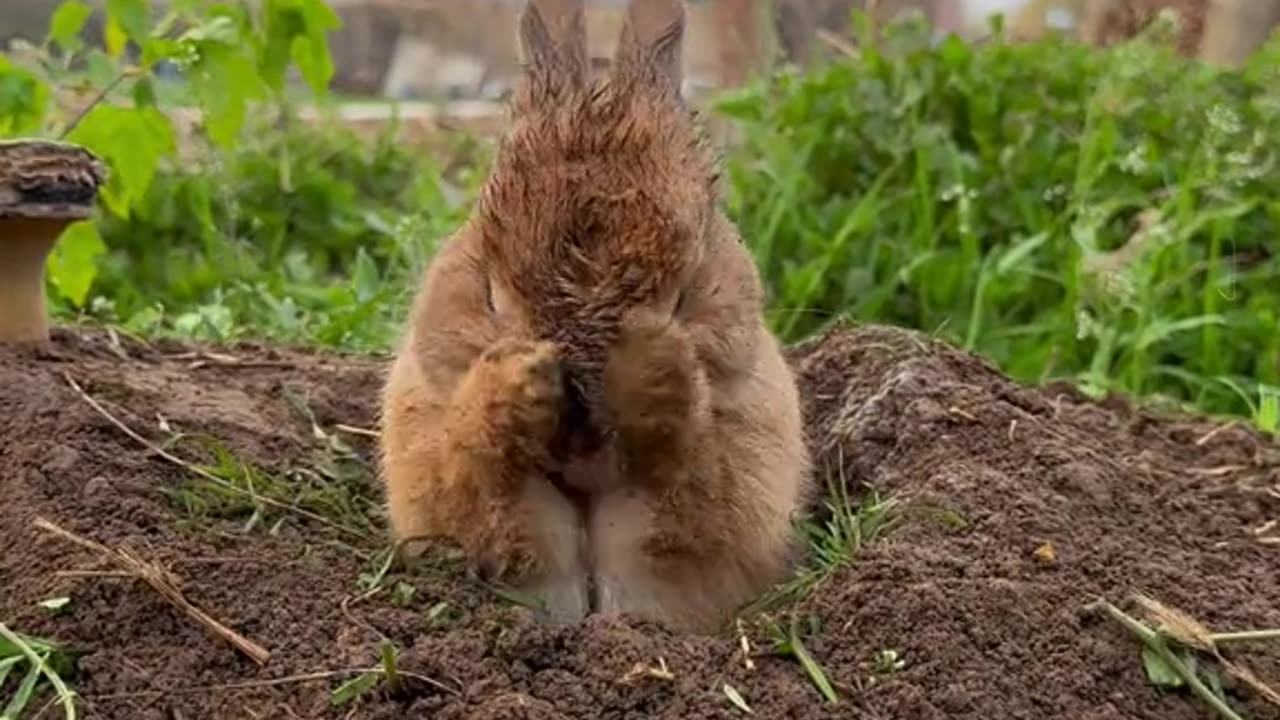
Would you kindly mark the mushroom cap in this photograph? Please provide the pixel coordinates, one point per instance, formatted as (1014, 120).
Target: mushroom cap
(47, 179)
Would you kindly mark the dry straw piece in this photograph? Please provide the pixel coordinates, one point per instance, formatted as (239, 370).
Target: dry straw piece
(164, 583)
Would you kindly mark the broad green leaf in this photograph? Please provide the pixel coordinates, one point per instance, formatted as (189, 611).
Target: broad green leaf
(220, 29)
(1159, 673)
(312, 57)
(144, 93)
(132, 141)
(133, 17)
(114, 37)
(100, 68)
(67, 23)
(24, 100)
(226, 81)
(298, 30)
(73, 264)
(282, 25)
(365, 277)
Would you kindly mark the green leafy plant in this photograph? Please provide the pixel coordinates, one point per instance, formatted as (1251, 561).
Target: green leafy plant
(1105, 215)
(111, 98)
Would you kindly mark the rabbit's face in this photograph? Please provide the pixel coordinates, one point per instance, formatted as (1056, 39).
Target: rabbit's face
(601, 197)
(595, 208)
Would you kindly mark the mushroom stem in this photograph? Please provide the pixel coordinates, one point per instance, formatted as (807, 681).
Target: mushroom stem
(44, 187)
(22, 303)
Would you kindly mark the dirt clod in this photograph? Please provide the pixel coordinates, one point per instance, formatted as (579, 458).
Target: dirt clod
(975, 618)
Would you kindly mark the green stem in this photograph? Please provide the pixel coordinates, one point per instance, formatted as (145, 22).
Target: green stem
(65, 695)
(389, 671)
(1245, 636)
(1155, 641)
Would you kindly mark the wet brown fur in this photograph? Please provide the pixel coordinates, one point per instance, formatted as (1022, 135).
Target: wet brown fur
(598, 273)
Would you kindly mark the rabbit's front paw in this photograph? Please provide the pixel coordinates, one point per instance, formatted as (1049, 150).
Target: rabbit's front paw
(522, 389)
(651, 387)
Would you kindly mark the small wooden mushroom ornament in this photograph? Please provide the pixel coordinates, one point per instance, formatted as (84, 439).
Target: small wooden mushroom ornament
(44, 187)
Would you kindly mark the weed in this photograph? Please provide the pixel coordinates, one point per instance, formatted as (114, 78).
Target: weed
(831, 543)
(1033, 200)
(40, 664)
(231, 487)
(1173, 653)
(386, 673)
(787, 643)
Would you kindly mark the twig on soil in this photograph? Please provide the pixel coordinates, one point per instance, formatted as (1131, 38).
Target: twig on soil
(644, 670)
(207, 359)
(189, 467)
(1246, 636)
(744, 645)
(346, 612)
(276, 682)
(1204, 439)
(163, 582)
(353, 430)
(1155, 642)
(92, 574)
(1218, 471)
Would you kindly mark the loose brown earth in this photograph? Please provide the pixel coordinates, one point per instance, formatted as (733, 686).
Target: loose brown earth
(987, 471)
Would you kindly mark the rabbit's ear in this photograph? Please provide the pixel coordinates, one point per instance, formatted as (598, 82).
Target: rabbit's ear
(553, 37)
(652, 42)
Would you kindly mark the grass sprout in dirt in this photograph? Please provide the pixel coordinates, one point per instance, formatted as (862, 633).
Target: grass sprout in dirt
(37, 667)
(833, 536)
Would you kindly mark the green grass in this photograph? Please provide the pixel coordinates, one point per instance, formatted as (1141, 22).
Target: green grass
(983, 193)
(832, 540)
(36, 666)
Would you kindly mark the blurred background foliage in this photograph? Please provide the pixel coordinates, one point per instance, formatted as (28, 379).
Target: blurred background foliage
(1104, 215)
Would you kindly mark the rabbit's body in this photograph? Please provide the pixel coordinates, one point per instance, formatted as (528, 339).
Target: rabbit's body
(588, 399)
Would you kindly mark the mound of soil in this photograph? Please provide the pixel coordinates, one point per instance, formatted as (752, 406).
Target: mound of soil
(987, 473)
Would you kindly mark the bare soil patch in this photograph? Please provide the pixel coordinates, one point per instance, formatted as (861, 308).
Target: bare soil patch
(987, 472)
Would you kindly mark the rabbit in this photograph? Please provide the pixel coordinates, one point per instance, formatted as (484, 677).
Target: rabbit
(587, 399)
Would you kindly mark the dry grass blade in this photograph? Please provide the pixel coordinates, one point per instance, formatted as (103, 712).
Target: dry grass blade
(320, 676)
(643, 671)
(1155, 642)
(1246, 676)
(220, 482)
(1177, 624)
(164, 583)
(353, 430)
(1185, 629)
